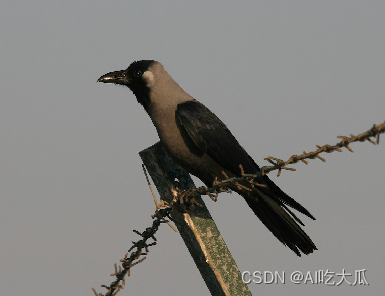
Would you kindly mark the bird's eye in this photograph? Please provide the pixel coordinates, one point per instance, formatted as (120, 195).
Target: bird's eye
(138, 73)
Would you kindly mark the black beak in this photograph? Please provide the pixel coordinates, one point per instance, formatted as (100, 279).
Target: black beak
(117, 77)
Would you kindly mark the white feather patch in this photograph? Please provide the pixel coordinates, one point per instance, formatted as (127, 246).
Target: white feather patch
(149, 77)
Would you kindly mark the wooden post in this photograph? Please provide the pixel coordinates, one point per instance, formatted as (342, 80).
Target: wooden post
(198, 230)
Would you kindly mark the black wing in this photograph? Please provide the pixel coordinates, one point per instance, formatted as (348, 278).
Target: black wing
(212, 136)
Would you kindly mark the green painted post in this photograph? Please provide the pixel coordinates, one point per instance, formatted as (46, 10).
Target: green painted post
(197, 229)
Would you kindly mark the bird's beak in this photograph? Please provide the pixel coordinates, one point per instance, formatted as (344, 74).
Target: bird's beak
(117, 77)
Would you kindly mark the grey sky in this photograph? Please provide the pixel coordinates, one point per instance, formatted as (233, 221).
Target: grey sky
(283, 75)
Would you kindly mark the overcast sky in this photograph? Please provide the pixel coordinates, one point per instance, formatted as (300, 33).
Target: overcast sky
(283, 75)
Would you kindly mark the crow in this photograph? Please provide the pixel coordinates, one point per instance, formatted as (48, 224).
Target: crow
(202, 144)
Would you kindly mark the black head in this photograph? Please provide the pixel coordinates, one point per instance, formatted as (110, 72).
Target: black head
(132, 77)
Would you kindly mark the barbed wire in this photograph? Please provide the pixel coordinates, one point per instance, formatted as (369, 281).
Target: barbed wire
(133, 259)
(186, 199)
(375, 131)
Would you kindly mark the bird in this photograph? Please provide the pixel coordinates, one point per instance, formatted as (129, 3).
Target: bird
(202, 144)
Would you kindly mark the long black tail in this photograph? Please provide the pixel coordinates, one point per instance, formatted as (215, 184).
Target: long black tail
(273, 212)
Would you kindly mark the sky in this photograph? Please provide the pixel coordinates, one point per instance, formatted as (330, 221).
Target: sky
(283, 75)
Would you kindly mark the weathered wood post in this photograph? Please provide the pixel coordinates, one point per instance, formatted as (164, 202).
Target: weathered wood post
(198, 230)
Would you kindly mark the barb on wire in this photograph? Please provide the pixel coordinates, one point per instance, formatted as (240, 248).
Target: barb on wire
(186, 199)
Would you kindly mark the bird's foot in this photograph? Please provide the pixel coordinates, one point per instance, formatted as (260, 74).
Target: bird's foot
(187, 200)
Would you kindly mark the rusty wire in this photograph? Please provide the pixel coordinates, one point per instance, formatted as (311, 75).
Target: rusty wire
(223, 186)
(279, 164)
(131, 260)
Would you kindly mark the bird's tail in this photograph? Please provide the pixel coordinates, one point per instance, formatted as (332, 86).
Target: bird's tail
(279, 220)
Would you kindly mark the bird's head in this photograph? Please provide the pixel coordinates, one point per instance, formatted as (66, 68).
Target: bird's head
(138, 77)
(150, 83)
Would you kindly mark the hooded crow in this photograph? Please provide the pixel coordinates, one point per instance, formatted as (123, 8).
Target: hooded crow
(202, 144)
